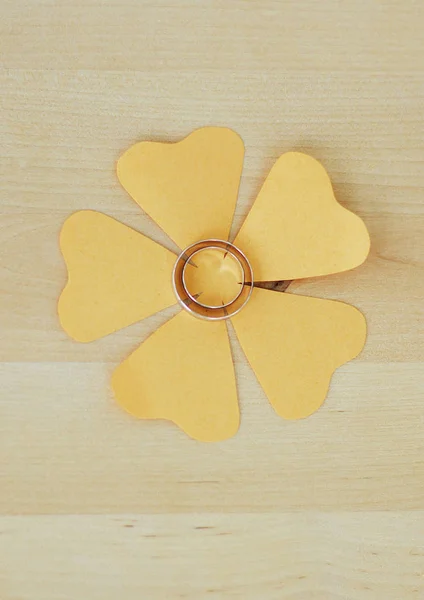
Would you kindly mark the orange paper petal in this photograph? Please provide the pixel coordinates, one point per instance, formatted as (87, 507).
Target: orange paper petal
(297, 229)
(295, 343)
(183, 372)
(116, 276)
(189, 188)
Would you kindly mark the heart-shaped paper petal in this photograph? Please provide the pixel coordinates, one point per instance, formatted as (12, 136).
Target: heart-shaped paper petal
(297, 229)
(183, 372)
(190, 187)
(295, 343)
(116, 276)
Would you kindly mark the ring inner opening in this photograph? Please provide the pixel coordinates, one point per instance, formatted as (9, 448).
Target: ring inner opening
(213, 277)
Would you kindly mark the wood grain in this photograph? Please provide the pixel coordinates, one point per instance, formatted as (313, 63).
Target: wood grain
(94, 504)
(69, 449)
(280, 557)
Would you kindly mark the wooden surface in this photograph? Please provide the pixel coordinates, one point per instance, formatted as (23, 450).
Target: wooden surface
(97, 506)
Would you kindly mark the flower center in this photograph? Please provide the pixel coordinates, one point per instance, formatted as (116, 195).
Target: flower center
(212, 279)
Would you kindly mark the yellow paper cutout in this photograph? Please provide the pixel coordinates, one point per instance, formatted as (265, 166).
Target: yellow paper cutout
(190, 187)
(294, 344)
(116, 276)
(183, 372)
(214, 277)
(297, 229)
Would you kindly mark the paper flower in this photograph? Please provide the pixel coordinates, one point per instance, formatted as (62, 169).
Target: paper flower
(184, 371)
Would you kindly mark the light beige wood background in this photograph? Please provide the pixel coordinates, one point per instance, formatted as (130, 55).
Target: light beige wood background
(97, 506)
